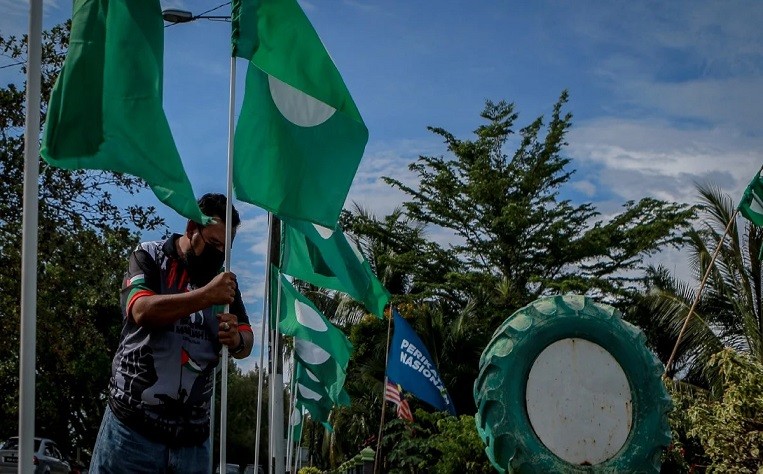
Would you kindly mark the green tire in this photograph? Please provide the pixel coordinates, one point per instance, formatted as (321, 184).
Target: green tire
(502, 416)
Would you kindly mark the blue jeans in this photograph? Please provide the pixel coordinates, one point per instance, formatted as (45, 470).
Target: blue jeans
(120, 450)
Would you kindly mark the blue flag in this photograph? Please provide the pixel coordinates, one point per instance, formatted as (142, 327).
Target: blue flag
(410, 366)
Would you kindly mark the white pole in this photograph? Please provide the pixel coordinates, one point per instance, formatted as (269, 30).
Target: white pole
(29, 242)
(265, 318)
(276, 396)
(298, 456)
(212, 412)
(292, 408)
(228, 241)
(297, 447)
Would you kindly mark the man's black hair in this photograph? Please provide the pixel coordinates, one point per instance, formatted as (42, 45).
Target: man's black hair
(213, 204)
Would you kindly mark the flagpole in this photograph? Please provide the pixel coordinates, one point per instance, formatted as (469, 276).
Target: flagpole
(275, 376)
(276, 392)
(28, 339)
(212, 412)
(292, 407)
(299, 440)
(377, 463)
(699, 291)
(228, 242)
(260, 376)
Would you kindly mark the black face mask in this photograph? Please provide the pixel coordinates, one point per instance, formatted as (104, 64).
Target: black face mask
(205, 266)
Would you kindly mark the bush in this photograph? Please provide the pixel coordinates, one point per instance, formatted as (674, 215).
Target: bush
(723, 429)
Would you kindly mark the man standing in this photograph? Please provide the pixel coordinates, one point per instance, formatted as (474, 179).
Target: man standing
(157, 417)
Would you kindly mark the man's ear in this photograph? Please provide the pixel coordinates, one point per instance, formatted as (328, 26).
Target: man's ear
(191, 228)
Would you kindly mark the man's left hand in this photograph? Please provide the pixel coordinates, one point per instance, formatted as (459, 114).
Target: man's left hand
(228, 330)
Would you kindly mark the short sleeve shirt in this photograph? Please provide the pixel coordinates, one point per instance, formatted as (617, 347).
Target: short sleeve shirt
(161, 378)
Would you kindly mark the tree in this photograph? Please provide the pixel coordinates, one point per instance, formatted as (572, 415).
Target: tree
(434, 442)
(84, 240)
(514, 237)
(729, 310)
(242, 417)
(514, 231)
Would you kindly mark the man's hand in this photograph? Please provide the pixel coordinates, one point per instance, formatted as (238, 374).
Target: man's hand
(228, 330)
(222, 289)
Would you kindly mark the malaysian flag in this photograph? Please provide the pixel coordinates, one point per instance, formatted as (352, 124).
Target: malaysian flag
(392, 394)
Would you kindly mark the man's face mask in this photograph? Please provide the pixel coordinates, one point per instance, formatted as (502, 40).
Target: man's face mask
(205, 266)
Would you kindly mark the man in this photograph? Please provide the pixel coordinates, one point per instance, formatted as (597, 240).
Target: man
(173, 296)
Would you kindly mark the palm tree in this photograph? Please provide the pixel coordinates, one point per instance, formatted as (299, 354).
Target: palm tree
(728, 313)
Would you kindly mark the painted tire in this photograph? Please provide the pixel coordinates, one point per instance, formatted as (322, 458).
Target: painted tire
(503, 420)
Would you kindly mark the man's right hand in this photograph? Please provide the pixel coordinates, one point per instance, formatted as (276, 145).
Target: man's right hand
(222, 289)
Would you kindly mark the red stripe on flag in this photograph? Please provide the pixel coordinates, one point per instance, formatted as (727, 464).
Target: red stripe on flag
(392, 394)
(404, 410)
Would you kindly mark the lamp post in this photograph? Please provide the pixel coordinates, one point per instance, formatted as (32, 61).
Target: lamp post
(175, 16)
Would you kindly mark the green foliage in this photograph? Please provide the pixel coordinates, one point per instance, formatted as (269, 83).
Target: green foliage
(728, 313)
(242, 417)
(515, 238)
(730, 426)
(434, 442)
(309, 470)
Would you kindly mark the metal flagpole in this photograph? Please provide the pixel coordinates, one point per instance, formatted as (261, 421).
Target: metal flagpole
(228, 242)
(212, 412)
(298, 455)
(28, 338)
(292, 407)
(377, 463)
(263, 332)
(275, 440)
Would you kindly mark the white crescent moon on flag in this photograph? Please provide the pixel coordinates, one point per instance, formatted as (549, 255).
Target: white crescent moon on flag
(324, 232)
(310, 353)
(296, 417)
(308, 317)
(311, 375)
(307, 393)
(296, 106)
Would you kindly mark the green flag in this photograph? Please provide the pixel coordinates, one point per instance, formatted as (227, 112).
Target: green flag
(296, 423)
(313, 396)
(299, 136)
(298, 317)
(329, 259)
(105, 111)
(751, 205)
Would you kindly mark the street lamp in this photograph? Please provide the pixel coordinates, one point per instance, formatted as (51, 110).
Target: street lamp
(173, 15)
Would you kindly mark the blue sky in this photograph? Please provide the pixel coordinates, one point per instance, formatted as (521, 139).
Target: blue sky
(664, 94)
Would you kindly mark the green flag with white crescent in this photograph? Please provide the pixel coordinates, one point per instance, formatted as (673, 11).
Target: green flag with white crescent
(298, 317)
(299, 137)
(313, 396)
(329, 259)
(105, 111)
(751, 205)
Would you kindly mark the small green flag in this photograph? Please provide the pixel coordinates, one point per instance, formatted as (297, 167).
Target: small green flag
(299, 137)
(299, 317)
(296, 422)
(329, 259)
(105, 111)
(312, 395)
(751, 205)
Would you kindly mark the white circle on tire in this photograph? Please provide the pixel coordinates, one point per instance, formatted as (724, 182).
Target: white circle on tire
(579, 401)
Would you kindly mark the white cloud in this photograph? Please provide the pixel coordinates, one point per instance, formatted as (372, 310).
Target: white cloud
(634, 159)
(586, 187)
